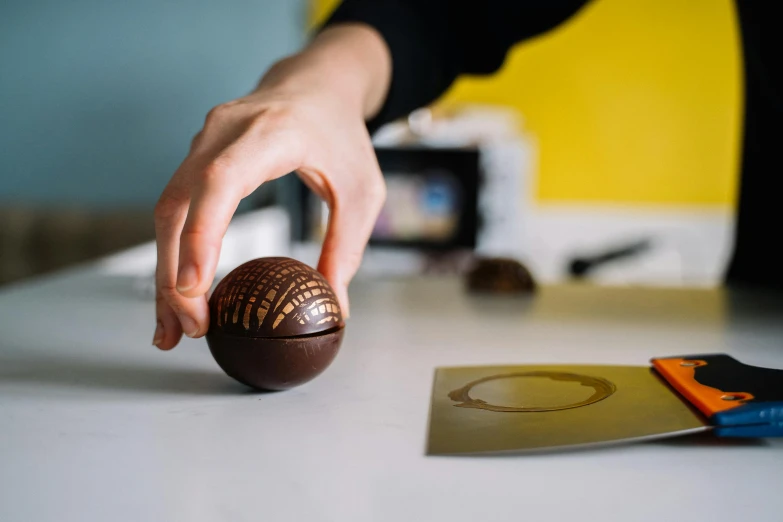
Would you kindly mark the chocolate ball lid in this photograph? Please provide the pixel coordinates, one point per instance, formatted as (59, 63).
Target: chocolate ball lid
(274, 297)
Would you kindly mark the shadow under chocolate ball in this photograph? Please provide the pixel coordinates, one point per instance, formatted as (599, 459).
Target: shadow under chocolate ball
(275, 323)
(275, 363)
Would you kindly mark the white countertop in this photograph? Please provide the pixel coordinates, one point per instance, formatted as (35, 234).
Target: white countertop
(96, 424)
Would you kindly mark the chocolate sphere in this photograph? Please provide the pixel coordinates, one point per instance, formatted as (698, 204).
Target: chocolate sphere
(274, 323)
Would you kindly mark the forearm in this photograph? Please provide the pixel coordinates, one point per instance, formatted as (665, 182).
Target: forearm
(432, 42)
(350, 62)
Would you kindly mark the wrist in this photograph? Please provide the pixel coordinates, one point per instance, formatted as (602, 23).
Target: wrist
(349, 63)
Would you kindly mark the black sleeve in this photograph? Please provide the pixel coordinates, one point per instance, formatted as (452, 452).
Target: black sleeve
(434, 41)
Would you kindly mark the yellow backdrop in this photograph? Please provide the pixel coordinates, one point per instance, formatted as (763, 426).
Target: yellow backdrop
(630, 101)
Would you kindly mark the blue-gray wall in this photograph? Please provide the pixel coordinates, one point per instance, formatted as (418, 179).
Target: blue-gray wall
(99, 98)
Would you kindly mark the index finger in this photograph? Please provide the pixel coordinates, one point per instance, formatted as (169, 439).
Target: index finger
(215, 196)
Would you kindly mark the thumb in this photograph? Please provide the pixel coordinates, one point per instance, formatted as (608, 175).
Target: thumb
(347, 233)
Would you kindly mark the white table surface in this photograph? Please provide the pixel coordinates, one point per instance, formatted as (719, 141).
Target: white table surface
(97, 425)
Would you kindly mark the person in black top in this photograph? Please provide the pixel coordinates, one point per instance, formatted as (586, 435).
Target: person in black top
(372, 62)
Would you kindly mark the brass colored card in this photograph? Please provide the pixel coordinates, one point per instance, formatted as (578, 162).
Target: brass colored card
(495, 409)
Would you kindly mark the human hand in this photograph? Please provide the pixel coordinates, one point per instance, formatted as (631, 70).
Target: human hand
(297, 120)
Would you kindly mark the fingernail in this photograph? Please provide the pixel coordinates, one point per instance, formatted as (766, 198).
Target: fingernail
(189, 326)
(187, 278)
(158, 337)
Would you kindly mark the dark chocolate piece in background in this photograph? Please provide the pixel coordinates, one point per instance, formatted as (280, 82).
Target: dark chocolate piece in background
(500, 276)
